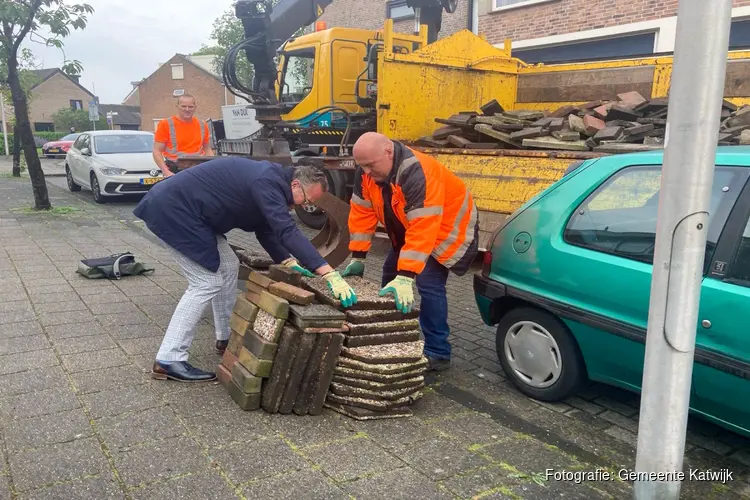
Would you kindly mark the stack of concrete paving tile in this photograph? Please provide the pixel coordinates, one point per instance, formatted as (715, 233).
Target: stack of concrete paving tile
(283, 348)
(380, 372)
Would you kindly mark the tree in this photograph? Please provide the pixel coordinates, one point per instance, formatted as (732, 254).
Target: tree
(28, 79)
(65, 118)
(47, 22)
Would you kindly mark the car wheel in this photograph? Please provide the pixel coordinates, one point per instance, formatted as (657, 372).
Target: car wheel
(71, 183)
(98, 197)
(539, 354)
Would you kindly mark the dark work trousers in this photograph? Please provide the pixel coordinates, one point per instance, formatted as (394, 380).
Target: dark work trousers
(433, 313)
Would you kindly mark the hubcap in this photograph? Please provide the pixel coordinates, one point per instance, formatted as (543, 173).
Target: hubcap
(95, 187)
(533, 354)
(69, 176)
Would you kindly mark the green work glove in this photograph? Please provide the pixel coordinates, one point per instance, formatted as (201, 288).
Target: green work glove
(401, 287)
(341, 289)
(356, 267)
(292, 263)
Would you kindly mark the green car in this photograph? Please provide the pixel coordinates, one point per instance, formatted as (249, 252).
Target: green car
(568, 275)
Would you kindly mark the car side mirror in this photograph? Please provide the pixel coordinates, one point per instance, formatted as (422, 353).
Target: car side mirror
(86, 151)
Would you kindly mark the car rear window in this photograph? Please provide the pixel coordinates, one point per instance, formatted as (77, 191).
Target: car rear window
(619, 217)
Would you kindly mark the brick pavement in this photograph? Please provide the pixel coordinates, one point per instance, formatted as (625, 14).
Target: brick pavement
(79, 417)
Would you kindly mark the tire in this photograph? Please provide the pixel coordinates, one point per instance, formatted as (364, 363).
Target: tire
(317, 218)
(71, 183)
(96, 190)
(545, 345)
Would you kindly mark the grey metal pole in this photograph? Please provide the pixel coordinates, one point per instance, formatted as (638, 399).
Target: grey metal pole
(697, 87)
(5, 125)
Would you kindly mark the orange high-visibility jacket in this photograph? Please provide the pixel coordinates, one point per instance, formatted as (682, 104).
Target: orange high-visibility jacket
(432, 204)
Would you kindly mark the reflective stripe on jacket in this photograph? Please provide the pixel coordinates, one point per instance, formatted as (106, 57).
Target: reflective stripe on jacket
(432, 204)
(172, 149)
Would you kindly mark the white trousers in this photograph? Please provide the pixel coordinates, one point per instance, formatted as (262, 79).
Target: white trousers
(219, 288)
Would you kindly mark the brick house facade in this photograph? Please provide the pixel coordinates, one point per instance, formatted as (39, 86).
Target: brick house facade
(371, 14)
(55, 90)
(157, 93)
(550, 30)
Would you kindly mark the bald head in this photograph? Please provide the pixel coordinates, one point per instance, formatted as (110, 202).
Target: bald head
(373, 152)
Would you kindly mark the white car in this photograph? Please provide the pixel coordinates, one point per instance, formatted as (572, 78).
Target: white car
(112, 163)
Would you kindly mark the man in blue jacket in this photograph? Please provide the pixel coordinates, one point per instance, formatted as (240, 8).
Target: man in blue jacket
(193, 210)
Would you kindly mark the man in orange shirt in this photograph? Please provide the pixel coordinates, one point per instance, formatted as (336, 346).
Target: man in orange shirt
(179, 135)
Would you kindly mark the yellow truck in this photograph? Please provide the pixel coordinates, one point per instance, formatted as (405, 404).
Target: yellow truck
(333, 84)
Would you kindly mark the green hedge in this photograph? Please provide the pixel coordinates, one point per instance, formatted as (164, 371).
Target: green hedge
(49, 136)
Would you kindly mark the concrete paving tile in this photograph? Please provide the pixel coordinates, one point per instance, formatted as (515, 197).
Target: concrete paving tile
(133, 288)
(400, 484)
(206, 485)
(124, 308)
(102, 487)
(12, 363)
(65, 317)
(37, 379)
(60, 462)
(17, 345)
(46, 429)
(5, 488)
(112, 402)
(473, 482)
(308, 484)
(53, 278)
(142, 345)
(201, 399)
(349, 460)
(38, 403)
(394, 434)
(258, 459)
(474, 429)
(228, 427)
(441, 458)
(14, 305)
(102, 360)
(95, 381)
(133, 318)
(54, 297)
(139, 427)
(106, 297)
(434, 406)
(72, 330)
(54, 307)
(623, 435)
(159, 460)
(17, 316)
(306, 431)
(46, 290)
(92, 287)
(528, 455)
(75, 345)
(155, 300)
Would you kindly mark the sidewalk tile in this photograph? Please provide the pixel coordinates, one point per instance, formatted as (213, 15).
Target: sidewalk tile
(124, 307)
(307, 484)
(16, 316)
(54, 297)
(37, 379)
(38, 403)
(472, 429)
(139, 427)
(159, 460)
(349, 460)
(100, 380)
(155, 300)
(441, 458)
(111, 320)
(14, 305)
(12, 363)
(91, 343)
(73, 330)
(396, 433)
(49, 289)
(142, 345)
(22, 329)
(529, 455)
(60, 462)
(103, 359)
(435, 406)
(65, 318)
(206, 485)
(47, 429)
(306, 431)
(54, 307)
(258, 459)
(399, 484)
(18, 345)
(107, 297)
(227, 427)
(201, 399)
(102, 487)
(116, 401)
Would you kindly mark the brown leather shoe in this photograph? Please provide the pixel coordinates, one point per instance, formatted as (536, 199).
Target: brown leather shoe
(221, 346)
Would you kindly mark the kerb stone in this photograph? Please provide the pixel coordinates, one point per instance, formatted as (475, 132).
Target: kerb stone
(245, 309)
(258, 367)
(249, 383)
(259, 346)
(239, 325)
(223, 375)
(285, 274)
(259, 279)
(228, 359)
(292, 293)
(273, 305)
(247, 402)
(235, 343)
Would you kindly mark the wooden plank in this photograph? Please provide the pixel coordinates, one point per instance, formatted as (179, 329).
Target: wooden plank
(737, 83)
(586, 85)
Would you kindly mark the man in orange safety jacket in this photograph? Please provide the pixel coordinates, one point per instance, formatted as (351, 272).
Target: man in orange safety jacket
(432, 222)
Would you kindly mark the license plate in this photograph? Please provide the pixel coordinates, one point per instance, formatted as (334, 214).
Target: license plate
(53, 150)
(150, 180)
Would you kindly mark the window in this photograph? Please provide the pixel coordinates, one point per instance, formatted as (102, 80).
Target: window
(616, 47)
(44, 127)
(75, 104)
(177, 72)
(739, 34)
(79, 143)
(741, 265)
(297, 79)
(619, 218)
(125, 143)
(178, 92)
(397, 9)
(511, 4)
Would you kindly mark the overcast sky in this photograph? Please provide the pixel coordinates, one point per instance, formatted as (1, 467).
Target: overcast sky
(125, 40)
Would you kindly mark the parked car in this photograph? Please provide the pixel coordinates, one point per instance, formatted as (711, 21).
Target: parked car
(567, 282)
(54, 149)
(112, 163)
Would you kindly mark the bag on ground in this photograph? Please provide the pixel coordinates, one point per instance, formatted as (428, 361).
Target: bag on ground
(113, 267)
